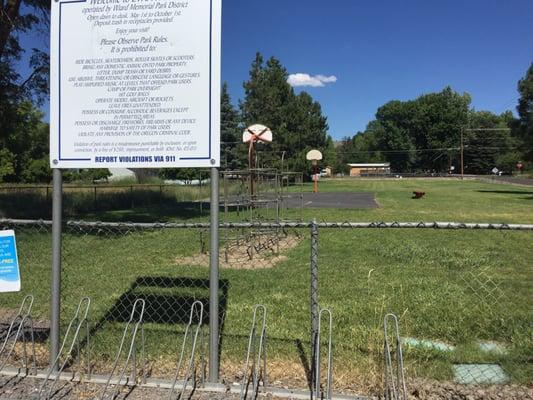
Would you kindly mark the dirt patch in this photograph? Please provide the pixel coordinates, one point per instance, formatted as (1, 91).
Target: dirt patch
(250, 251)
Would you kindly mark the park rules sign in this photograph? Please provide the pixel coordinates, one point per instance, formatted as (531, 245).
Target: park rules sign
(135, 83)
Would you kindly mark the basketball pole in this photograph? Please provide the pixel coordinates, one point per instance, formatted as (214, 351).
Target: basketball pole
(462, 155)
(315, 170)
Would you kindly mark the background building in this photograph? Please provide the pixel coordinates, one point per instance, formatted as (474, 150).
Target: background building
(362, 169)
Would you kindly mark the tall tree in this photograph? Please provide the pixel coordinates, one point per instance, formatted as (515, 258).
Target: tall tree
(488, 143)
(24, 146)
(21, 16)
(523, 128)
(296, 120)
(230, 129)
(406, 133)
(23, 136)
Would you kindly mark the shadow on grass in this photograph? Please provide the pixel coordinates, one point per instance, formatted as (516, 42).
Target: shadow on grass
(506, 192)
(136, 205)
(168, 299)
(165, 213)
(528, 195)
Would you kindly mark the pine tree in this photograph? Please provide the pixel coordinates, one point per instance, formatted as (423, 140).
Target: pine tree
(523, 127)
(296, 121)
(229, 132)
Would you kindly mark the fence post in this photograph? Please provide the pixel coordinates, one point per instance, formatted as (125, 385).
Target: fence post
(55, 295)
(314, 296)
(213, 279)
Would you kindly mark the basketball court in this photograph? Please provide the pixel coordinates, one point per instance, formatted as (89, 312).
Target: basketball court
(344, 200)
(339, 200)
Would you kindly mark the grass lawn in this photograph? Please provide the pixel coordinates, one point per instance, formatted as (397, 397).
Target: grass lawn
(455, 287)
(445, 200)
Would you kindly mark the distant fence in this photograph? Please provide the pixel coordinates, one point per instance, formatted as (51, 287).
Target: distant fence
(462, 321)
(27, 200)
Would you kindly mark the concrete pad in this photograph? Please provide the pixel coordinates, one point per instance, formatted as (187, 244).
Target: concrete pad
(427, 344)
(492, 347)
(472, 374)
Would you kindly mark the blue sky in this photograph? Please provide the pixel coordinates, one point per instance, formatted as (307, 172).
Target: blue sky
(382, 50)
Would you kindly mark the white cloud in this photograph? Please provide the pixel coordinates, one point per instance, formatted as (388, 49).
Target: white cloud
(307, 80)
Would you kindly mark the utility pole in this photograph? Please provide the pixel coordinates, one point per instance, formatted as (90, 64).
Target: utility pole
(475, 130)
(462, 155)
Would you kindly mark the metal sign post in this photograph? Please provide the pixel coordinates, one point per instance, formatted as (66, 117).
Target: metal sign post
(55, 295)
(214, 279)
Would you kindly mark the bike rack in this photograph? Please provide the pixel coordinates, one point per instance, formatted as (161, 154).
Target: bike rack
(258, 349)
(317, 392)
(21, 318)
(78, 322)
(197, 308)
(136, 322)
(394, 381)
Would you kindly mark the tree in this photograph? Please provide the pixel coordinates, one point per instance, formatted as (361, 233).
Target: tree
(330, 155)
(232, 151)
(296, 120)
(24, 140)
(7, 160)
(485, 149)
(421, 134)
(16, 17)
(523, 127)
(95, 174)
(23, 135)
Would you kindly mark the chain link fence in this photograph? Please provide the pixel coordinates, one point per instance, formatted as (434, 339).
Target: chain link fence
(461, 301)
(35, 201)
(459, 290)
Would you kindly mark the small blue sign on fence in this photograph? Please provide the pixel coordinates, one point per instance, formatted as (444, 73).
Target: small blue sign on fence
(9, 265)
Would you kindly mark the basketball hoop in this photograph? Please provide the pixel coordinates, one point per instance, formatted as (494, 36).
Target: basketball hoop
(255, 134)
(314, 156)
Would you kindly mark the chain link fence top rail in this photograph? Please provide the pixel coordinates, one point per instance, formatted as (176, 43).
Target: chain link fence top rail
(460, 292)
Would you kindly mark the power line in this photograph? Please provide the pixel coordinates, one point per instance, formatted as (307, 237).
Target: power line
(488, 129)
(430, 150)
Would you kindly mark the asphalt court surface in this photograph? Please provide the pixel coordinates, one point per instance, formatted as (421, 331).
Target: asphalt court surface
(342, 200)
(346, 200)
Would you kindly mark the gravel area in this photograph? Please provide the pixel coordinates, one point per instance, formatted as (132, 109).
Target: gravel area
(17, 388)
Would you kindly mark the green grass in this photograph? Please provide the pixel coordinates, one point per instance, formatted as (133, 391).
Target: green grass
(445, 200)
(442, 284)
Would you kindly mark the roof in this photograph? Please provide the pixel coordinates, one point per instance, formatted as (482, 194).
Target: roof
(375, 165)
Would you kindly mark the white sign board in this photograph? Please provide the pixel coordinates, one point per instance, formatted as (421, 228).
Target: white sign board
(135, 83)
(9, 266)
